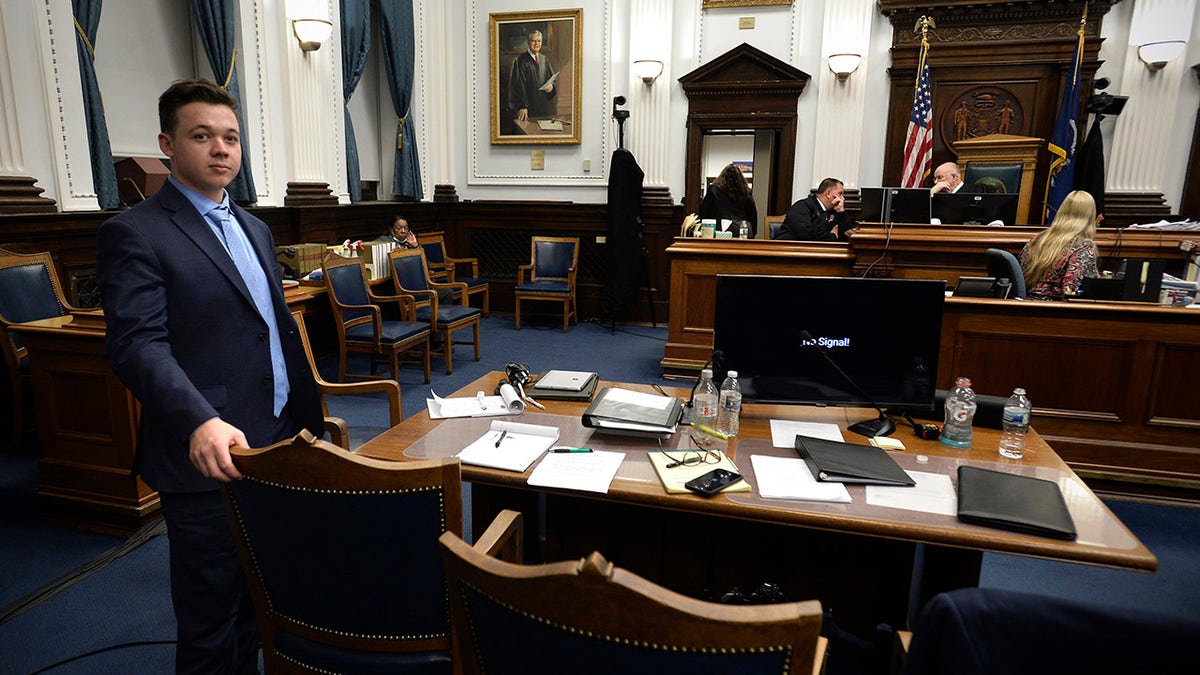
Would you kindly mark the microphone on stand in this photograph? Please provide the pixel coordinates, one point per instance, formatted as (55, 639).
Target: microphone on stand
(880, 426)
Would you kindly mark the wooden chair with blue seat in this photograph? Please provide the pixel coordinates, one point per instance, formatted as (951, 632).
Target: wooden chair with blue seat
(443, 268)
(342, 560)
(336, 427)
(360, 322)
(411, 277)
(589, 617)
(550, 275)
(29, 291)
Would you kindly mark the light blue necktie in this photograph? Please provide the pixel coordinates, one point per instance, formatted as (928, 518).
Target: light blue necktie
(256, 281)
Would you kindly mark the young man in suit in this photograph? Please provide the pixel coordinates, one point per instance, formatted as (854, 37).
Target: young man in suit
(199, 332)
(815, 218)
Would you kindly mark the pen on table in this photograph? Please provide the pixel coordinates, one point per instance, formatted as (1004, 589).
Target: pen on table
(479, 397)
(561, 450)
(539, 406)
(502, 435)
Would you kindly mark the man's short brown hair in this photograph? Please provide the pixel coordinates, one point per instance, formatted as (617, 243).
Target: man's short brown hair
(826, 184)
(184, 92)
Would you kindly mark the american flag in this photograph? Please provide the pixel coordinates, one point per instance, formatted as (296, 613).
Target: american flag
(918, 144)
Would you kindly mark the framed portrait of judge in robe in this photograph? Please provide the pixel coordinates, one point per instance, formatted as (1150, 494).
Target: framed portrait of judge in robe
(535, 61)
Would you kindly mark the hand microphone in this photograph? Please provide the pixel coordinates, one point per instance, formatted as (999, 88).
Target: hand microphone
(880, 426)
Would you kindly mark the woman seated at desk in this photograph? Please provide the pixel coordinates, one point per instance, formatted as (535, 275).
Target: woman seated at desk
(729, 201)
(1058, 260)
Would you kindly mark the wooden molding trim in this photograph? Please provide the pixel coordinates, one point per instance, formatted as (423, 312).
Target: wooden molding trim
(308, 194)
(20, 194)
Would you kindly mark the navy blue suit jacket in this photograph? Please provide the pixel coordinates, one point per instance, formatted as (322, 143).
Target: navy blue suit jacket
(807, 221)
(184, 335)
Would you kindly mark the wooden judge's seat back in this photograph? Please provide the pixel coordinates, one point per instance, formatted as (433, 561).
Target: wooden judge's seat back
(1010, 159)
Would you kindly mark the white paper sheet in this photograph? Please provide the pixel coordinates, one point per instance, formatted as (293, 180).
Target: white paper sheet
(589, 471)
(507, 403)
(790, 478)
(784, 432)
(510, 445)
(933, 493)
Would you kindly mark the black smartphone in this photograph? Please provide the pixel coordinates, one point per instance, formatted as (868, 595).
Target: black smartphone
(712, 482)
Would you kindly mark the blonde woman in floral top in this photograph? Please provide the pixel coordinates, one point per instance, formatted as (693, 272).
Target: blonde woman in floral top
(1058, 260)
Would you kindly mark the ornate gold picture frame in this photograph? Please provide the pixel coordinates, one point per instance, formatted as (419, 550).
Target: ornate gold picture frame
(714, 4)
(536, 68)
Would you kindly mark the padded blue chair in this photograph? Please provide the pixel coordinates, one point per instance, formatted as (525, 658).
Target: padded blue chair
(774, 224)
(360, 323)
(29, 291)
(443, 268)
(1004, 265)
(341, 556)
(411, 276)
(550, 275)
(587, 617)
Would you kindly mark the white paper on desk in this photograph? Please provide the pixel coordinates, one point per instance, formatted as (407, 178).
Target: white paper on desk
(507, 403)
(784, 432)
(790, 478)
(511, 446)
(589, 471)
(933, 493)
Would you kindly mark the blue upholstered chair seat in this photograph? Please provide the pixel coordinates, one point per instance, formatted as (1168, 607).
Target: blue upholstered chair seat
(447, 314)
(330, 659)
(471, 282)
(544, 286)
(393, 332)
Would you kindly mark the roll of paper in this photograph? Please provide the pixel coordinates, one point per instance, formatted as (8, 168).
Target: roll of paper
(511, 399)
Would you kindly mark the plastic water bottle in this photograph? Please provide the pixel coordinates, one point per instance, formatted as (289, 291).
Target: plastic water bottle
(704, 403)
(743, 230)
(960, 410)
(1016, 422)
(731, 405)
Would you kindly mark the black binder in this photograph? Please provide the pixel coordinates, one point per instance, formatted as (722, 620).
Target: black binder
(610, 414)
(1012, 502)
(837, 462)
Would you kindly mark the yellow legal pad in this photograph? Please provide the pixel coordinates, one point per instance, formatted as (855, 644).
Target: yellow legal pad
(674, 478)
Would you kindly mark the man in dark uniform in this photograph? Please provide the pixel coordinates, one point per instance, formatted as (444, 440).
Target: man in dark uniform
(814, 218)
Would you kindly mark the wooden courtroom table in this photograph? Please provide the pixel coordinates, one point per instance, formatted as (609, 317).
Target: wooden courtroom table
(87, 423)
(1108, 380)
(857, 558)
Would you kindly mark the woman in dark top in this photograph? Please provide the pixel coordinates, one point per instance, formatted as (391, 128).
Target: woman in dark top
(729, 198)
(1058, 260)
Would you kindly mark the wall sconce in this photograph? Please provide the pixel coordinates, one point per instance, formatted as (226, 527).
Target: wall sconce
(844, 64)
(311, 33)
(1156, 55)
(648, 70)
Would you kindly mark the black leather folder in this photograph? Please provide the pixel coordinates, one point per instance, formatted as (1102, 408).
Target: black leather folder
(837, 462)
(1012, 502)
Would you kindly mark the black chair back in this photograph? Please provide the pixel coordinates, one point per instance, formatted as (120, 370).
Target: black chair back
(1004, 265)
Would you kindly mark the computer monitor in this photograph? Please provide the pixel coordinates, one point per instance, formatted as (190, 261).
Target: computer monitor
(975, 208)
(975, 287)
(885, 334)
(895, 205)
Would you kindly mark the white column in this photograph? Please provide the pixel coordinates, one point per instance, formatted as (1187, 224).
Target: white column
(841, 104)
(1143, 137)
(648, 133)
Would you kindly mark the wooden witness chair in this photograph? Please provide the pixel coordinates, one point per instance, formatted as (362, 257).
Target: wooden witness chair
(550, 275)
(587, 616)
(443, 268)
(29, 291)
(360, 323)
(336, 427)
(341, 556)
(410, 274)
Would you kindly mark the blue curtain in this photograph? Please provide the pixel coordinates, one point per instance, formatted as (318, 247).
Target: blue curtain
(356, 44)
(214, 22)
(396, 31)
(104, 176)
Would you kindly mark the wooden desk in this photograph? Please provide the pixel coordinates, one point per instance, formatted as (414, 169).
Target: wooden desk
(87, 423)
(87, 428)
(857, 558)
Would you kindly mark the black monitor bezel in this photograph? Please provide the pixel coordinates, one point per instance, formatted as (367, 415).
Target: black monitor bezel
(873, 203)
(725, 359)
(1001, 205)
